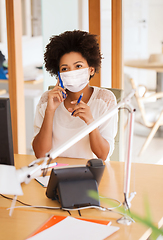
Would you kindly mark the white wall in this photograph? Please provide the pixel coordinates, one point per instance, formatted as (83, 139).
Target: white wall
(155, 34)
(143, 34)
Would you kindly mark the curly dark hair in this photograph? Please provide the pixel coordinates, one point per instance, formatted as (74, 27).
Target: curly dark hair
(72, 41)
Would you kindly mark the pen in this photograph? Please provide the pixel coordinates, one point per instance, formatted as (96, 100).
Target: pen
(79, 99)
(51, 165)
(61, 83)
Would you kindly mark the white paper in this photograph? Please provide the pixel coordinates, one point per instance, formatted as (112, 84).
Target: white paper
(75, 229)
(43, 180)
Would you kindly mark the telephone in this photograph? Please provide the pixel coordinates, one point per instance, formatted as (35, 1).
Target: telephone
(70, 185)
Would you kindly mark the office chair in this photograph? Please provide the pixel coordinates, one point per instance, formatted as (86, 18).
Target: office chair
(150, 111)
(118, 149)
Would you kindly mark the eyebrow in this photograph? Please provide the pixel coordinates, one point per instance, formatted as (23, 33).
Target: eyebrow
(64, 65)
(78, 62)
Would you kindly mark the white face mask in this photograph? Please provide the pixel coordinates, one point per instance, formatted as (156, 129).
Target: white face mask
(75, 80)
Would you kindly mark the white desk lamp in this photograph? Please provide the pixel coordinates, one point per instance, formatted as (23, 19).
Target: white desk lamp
(27, 173)
(126, 101)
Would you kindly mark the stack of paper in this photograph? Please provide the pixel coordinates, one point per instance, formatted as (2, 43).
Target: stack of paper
(70, 228)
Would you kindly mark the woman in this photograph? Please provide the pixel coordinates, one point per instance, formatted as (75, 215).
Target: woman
(76, 55)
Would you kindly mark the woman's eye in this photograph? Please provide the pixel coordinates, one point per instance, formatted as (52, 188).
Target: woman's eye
(64, 69)
(78, 66)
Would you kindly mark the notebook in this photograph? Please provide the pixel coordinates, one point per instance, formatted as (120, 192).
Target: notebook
(73, 228)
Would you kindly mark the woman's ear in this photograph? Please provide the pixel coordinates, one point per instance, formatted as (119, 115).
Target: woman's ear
(92, 71)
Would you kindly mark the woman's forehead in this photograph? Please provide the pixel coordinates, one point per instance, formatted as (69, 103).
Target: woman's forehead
(72, 58)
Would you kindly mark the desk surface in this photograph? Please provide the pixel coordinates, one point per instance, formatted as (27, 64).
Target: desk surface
(148, 181)
(26, 82)
(2, 91)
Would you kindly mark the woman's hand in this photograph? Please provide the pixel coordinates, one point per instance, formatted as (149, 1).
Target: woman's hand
(55, 97)
(81, 110)
(99, 146)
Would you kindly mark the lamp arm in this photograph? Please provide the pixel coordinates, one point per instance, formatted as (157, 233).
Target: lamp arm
(25, 174)
(127, 173)
(89, 128)
(33, 170)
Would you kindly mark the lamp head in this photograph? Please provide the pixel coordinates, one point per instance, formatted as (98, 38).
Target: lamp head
(9, 183)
